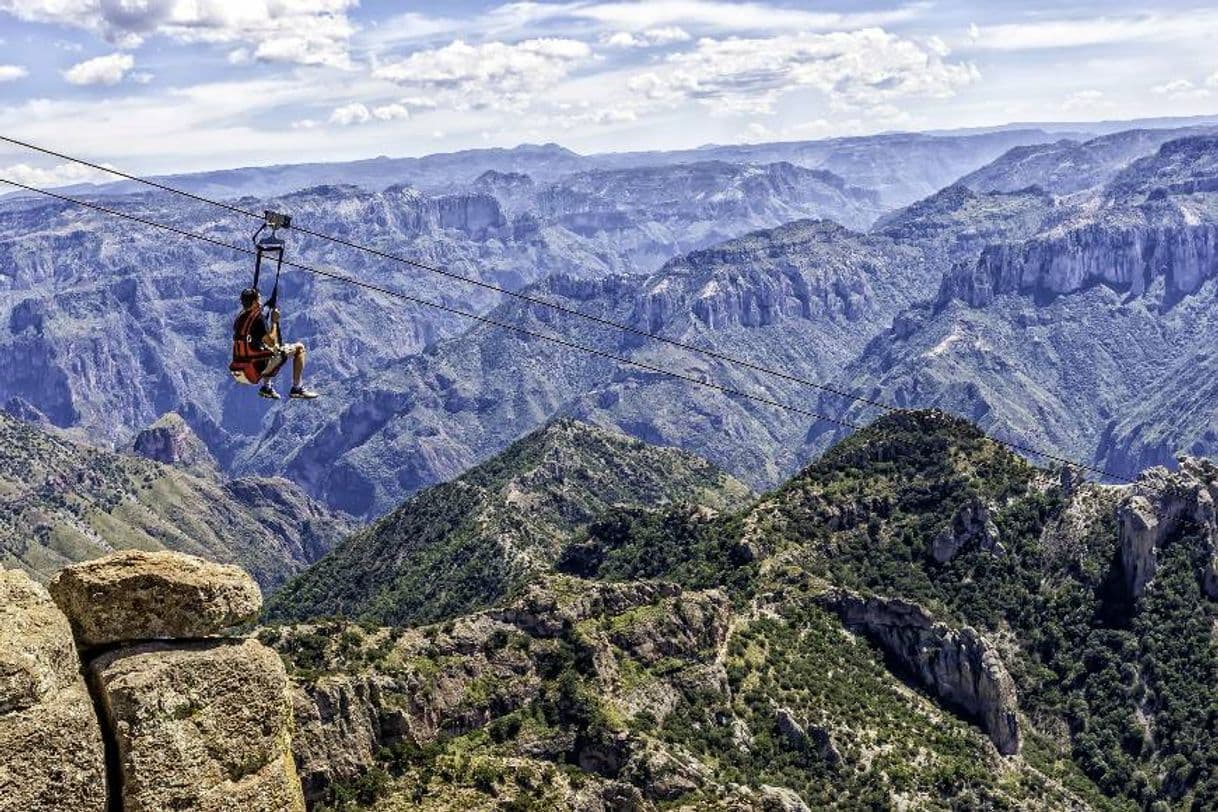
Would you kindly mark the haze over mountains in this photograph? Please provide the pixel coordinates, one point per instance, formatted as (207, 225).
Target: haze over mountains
(1039, 295)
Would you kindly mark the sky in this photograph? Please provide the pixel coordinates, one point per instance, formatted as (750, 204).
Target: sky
(183, 85)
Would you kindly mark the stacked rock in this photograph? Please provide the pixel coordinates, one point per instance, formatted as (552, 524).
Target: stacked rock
(196, 720)
(51, 755)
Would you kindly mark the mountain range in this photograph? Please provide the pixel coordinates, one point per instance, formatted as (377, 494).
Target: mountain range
(1038, 296)
(62, 502)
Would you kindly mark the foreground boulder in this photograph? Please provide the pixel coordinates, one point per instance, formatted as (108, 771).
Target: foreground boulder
(957, 665)
(136, 595)
(51, 754)
(200, 726)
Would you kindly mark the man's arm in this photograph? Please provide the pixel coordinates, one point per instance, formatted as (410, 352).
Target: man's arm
(271, 339)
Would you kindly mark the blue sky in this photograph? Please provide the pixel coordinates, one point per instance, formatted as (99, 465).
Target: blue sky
(174, 85)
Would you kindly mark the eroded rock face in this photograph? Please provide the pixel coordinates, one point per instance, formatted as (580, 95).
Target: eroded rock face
(1157, 506)
(971, 525)
(957, 665)
(136, 595)
(200, 726)
(171, 441)
(51, 754)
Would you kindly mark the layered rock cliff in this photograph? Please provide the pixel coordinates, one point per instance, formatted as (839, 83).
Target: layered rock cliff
(957, 665)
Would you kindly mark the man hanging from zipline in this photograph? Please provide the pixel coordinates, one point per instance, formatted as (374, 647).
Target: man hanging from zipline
(258, 348)
(260, 352)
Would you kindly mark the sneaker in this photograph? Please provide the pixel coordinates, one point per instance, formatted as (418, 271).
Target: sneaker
(267, 391)
(300, 393)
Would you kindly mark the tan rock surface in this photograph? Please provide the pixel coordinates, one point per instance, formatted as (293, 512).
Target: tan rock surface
(51, 755)
(136, 595)
(204, 726)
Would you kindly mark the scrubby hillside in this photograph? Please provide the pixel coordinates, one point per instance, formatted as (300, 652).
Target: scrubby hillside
(464, 544)
(63, 502)
(921, 619)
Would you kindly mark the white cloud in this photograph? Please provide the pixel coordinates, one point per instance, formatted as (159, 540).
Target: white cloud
(649, 38)
(102, 70)
(349, 114)
(493, 74)
(47, 177)
(638, 15)
(1072, 33)
(310, 32)
(1180, 89)
(854, 70)
(1212, 80)
(9, 73)
(357, 113)
(1087, 101)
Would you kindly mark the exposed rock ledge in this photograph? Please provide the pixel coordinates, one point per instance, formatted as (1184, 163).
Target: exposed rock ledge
(958, 665)
(1157, 507)
(199, 724)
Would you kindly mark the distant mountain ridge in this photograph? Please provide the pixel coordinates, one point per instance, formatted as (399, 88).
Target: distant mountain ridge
(62, 502)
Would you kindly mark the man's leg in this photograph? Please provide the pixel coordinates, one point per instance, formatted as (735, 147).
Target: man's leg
(298, 363)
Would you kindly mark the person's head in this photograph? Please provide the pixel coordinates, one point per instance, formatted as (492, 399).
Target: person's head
(250, 297)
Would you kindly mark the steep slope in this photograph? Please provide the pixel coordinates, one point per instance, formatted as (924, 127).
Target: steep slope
(466, 544)
(1064, 339)
(1065, 167)
(805, 297)
(920, 619)
(63, 502)
(921, 507)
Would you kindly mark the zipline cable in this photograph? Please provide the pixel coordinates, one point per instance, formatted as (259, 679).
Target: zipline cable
(338, 277)
(561, 308)
(885, 407)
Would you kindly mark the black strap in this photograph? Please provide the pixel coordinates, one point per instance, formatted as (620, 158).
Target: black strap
(274, 300)
(268, 245)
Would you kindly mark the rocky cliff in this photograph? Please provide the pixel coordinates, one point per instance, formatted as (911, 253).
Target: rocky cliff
(50, 742)
(957, 665)
(190, 719)
(1159, 507)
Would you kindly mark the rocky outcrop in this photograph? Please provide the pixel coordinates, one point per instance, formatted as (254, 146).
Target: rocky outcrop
(51, 754)
(1125, 259)
(171, 441)
(201, 726)
(957, 665)
(970, 525)
(136, 595)
(164, 723)
(1157, 507)
(813, 738)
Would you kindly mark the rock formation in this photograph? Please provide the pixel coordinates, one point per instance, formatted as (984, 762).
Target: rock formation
(200, 725)
(136, 595)
(189, 720)
(1158, 505)
(51, 755)
(171, 441)
(957, 665)
(971, 524)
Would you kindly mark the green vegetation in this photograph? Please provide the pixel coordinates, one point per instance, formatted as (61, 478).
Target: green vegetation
(1118, 709)
(469, 543)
